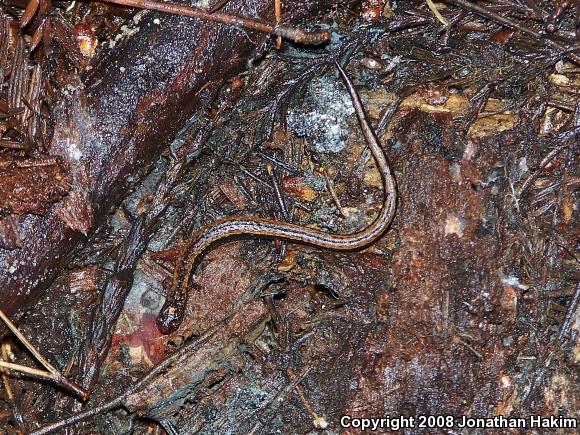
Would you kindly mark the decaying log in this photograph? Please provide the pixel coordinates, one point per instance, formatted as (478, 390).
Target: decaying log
(112, 123)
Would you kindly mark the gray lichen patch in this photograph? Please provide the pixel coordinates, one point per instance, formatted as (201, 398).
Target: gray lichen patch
(323, 118)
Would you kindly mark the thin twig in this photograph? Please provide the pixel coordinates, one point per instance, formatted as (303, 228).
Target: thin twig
(480, 10)
(278, 192)
(292, 33)
(52, 374)
(27, 370)
(29, 13)
(280, 163)
(318, 421)
(389, 113)
(278, 17)
(27, 343)
(282, 394)
(5, 380)
(436, 12)
(255, 177)
(571, 313)
(545, 161)
(330, 186)
(220, 4)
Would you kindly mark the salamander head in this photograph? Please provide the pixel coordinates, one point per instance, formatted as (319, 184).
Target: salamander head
(170, 317)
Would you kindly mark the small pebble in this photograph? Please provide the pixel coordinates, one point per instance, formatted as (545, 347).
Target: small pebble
(372, 64)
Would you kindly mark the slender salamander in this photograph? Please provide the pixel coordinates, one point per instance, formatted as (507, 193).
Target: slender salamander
(172, 312)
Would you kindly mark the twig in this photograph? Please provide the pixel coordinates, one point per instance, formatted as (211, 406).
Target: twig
(278, 17)
(545, 161)
(319, 422)
(51, 374)
(57, 378)
(5, 379)
(330, 186)
(27, 343)
(571, 313)
(468, 346)
(29, 13)
(389, 112)
(282, 394)
(28, 370)
(255, 177)
(280, 163)
(220, 4)
(292, 33)
(436, 12)
(278, 192)
(480, 10)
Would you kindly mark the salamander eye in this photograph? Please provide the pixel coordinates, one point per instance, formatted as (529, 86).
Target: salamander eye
(86, 39)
